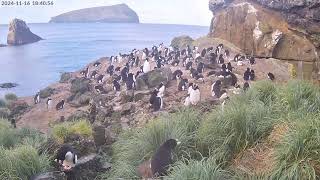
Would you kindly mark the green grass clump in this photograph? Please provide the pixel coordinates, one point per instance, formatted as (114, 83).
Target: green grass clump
(10, 97)
(136, 146)
(198, 170)
(300, 96)
(297, 156)
(63, 130)
(21, 162)
(244, 121)
(8, 136)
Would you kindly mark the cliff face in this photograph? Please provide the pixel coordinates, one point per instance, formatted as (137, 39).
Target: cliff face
(111, 14)
(281, 29)
(19, 33)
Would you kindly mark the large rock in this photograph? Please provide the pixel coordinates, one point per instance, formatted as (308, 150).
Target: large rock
(181, 41)
(153, 78)
(19, 33)
(280, 29)
(99, 135)
(120, 13)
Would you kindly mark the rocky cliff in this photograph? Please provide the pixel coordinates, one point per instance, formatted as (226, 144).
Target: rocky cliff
(19, 33)
(287, 30)
(110, 14)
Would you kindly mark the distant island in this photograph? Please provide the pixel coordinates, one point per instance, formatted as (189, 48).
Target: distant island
(120, 13)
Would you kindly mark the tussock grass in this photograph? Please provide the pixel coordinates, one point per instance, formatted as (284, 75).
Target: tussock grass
(297, 156)
(11, 97)
(63, 130)
(136, 146)
(8, 136)
(244, 121)
(198, 170)
(21, 162)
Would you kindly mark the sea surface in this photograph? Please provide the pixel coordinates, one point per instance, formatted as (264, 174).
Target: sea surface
(69, 47)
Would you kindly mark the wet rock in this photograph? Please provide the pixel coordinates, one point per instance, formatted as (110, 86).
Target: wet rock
(19, 33)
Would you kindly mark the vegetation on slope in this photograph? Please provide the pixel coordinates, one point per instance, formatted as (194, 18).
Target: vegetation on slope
(211, 141)
(19, 153)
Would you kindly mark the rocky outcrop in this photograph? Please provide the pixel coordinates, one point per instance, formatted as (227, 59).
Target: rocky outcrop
(181, 42)
(281, 29)
(19, 33)
(153, 78)
(120, 13)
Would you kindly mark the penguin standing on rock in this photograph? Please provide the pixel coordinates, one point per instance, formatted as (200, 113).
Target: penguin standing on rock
(195, 95)
(37, 98)
(49, 102)
(216, 89)
(116, 85)
(67, 157)
(146, 66)
(177, 74)
(161, 89)
(162, 159)
(60, 105)
(246, 75)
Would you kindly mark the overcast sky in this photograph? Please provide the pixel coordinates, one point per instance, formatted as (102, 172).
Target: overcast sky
(192, 12)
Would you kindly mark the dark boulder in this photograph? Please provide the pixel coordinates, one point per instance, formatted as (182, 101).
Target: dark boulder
(153, 78)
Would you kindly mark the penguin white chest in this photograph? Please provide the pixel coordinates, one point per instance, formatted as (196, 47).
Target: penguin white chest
(146, 67)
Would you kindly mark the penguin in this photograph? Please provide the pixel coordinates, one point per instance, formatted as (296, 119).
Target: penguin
(203, 52)
(137, 61)
(36, 98)
(246, 86)
(182, 86)
(67, 156)
(252, 75)
(199, 77)
(96, 64)
(110, 70)
(221, 59)
(195, 95)
(271, 76)
(60, 105)
(237, 58)
(162, 159)
(229, 67)
(175, 62)
(216, 89)
(177, 74)
(153, 96)
(200, 67)
(99, 89)
(246, 75)
(116, 86)
(252, 60)
(117, 69)
(220, 47)
(146, 66)
(85, 72)
(100, 78)
(227, 53)
(188, 65)
(161, 88)
(94, 74)
(157, 104)
(124, 74)
(130, 83)
(48, 103)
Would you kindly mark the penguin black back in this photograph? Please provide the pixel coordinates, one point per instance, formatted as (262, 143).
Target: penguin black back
(162, 159)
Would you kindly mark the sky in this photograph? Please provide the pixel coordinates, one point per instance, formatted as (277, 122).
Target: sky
(189, 12)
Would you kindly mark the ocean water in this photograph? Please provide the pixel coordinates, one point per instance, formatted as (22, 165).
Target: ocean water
(69, 47)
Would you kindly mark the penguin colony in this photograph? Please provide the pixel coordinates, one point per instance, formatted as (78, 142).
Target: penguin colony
(193, 66)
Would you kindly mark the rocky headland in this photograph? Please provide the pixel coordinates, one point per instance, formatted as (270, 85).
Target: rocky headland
(120, 13)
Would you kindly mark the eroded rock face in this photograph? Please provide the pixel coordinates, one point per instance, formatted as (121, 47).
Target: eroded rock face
(280, 29)
(19, 33)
